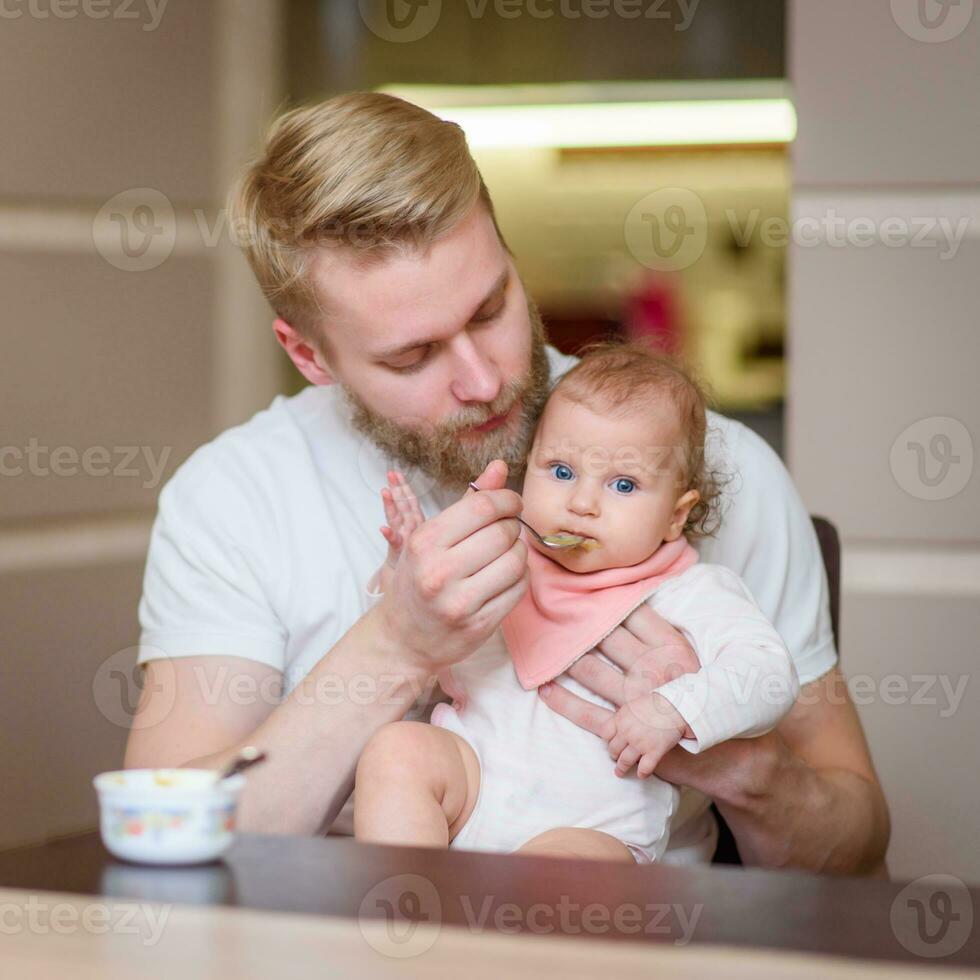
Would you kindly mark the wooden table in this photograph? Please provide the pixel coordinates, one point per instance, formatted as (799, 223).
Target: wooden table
(360, 910)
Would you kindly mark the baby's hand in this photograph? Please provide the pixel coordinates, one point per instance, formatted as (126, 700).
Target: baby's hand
(646, 729)
(404, 515)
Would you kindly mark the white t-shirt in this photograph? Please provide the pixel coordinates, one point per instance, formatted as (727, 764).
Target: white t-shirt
(266, 537)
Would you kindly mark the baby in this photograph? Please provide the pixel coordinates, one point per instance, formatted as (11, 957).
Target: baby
(617, 460)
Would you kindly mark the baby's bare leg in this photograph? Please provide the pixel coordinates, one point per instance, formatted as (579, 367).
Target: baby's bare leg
(577, 842)
(415, 784)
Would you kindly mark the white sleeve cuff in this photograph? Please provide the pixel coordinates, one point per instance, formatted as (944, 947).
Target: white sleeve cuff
(373, 588)
(720, 702)
(263, 648)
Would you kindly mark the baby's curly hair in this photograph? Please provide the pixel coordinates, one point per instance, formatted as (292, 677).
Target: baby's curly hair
(616, 375)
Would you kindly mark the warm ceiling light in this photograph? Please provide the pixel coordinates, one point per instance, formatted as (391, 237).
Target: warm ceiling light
(626, 123)
(495, 117)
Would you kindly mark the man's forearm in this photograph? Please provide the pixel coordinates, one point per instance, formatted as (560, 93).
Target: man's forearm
(315, 737)
(825, 820)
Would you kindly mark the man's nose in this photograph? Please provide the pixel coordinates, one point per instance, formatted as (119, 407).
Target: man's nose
(475, 377)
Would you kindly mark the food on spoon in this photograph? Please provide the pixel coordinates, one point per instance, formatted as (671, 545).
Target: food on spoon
(571, 541)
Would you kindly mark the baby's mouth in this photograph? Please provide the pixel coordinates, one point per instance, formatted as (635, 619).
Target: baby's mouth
(588, 544)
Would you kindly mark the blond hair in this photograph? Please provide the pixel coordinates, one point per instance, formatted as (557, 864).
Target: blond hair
(625, 377)
(366, 172)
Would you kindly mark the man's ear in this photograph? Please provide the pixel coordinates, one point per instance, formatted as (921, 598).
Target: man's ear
(679, 518)
(309, 362)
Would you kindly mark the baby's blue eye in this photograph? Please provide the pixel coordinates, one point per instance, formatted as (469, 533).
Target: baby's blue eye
(562, 472)
(623, 485)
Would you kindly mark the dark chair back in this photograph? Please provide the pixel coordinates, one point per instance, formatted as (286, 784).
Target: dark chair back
(830, 549)
(727, 850)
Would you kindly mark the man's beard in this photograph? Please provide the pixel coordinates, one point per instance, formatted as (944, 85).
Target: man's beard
(448, 458)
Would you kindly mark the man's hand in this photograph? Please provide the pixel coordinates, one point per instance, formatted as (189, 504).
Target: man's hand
(457, 577)
(647, 652)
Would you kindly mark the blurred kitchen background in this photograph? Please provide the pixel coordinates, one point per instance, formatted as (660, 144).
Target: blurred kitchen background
(653, 174)
(564, 180)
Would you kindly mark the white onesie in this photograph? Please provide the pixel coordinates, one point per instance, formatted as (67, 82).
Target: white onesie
(539, 771)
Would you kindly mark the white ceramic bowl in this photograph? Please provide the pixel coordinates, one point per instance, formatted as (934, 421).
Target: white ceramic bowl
(167, 816)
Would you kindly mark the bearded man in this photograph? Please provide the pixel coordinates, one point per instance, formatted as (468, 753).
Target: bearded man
(370, 230)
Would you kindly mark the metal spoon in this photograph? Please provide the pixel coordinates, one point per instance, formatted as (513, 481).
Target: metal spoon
(249, 756)
(555, 541)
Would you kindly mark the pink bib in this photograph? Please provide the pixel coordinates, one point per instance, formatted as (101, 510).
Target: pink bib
(565, 614)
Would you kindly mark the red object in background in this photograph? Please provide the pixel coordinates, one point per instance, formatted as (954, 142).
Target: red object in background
(653, 313)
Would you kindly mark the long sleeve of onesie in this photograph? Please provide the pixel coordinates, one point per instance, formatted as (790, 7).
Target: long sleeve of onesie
(747, 681)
